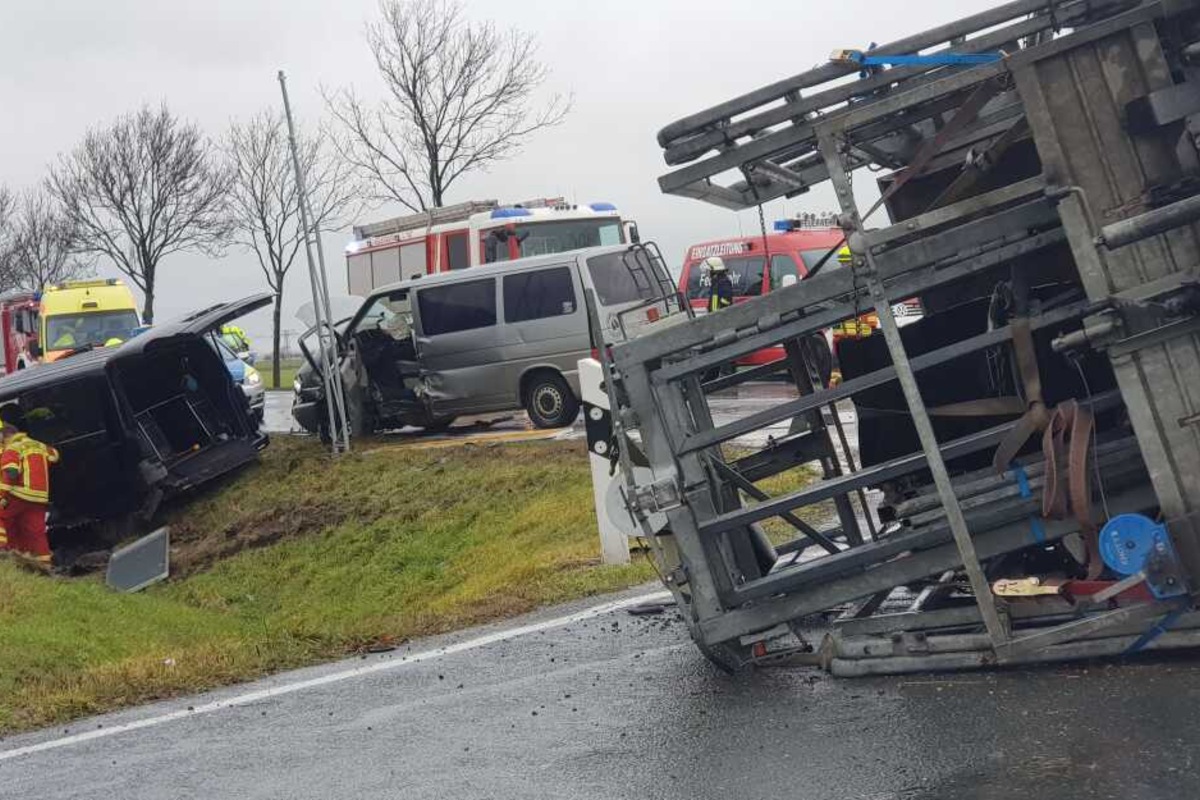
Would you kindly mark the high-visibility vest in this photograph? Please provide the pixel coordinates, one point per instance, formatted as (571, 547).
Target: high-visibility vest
(30, 460)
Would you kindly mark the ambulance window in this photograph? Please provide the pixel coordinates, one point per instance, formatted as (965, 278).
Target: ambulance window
(457, 307)
(782, 265)
(458, 250)
(538, 295)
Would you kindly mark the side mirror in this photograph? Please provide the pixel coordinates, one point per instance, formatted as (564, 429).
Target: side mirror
(788, 280)
(631, 230)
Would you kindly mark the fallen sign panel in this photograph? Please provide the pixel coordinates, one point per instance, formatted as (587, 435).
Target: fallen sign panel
(135, 566)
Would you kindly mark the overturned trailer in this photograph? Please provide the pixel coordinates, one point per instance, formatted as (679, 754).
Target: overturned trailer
(135, 424)
(1027, 480)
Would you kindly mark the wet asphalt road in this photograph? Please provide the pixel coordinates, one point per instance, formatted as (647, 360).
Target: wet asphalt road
(624, 707)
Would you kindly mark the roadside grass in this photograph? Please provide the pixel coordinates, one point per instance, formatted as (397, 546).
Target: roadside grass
(301, 559)
(287, 372)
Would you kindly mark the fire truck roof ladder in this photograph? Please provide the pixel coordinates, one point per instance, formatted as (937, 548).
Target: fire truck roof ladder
(423, 219)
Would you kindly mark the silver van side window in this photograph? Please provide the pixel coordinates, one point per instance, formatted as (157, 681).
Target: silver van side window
(457, 307)
(539, 294)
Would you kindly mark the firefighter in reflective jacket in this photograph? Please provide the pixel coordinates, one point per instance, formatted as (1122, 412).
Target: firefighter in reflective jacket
(24, 489)
(236, 338)
(720, 287)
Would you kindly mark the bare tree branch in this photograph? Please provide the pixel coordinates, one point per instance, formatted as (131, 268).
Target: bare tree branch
(42, 249)
(264, 202)
(460, 97)
(7, 236)
(142, 189)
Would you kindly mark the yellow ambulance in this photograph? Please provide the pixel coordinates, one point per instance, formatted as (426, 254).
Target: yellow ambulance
(91, 313)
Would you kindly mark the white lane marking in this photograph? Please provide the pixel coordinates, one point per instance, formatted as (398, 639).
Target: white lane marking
(335, 677)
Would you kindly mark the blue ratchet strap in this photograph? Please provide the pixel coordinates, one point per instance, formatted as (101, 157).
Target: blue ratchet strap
(1159, 629)
(1035, 522)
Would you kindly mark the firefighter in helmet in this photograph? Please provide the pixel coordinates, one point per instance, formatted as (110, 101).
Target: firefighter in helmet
(24, 488)
(720, 287)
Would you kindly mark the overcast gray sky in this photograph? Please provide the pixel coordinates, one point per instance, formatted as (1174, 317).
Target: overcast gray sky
(632, 66)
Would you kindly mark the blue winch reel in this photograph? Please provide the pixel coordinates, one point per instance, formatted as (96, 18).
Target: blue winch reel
(1132, 543)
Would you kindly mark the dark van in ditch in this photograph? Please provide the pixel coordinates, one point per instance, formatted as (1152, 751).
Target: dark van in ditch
(135, 423)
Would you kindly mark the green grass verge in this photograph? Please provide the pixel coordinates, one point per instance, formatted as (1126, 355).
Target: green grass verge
(301, 559)
(287, 373)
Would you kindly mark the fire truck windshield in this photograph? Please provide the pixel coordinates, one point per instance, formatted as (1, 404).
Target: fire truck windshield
(745, 273)
(544, 238)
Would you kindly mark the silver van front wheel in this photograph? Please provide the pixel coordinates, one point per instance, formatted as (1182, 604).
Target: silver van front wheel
(550, 402)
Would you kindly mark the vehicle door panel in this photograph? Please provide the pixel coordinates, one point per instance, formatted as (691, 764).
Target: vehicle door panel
(549, 322)
(460, 368)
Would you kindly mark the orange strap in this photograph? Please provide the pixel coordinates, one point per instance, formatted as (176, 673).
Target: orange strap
(1036, 416)
(1069, 435)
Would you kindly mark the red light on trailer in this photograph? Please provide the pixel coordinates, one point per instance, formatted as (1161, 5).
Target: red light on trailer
(759, 650)
(652, 314)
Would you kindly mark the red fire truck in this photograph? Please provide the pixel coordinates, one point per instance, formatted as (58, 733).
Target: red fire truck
(474, 233)
(794, 247)
(19, 326)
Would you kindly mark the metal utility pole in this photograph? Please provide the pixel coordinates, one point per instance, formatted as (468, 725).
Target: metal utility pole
(327, 342)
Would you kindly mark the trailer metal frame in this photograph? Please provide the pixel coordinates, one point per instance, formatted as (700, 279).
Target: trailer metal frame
(1109, 114)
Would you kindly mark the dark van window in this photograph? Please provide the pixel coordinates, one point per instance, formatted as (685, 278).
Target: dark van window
(537, 295)
(457, 307)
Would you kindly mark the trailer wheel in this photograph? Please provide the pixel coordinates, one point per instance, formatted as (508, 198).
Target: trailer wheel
(549, 401)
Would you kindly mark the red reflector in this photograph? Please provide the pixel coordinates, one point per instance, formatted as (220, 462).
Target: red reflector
(652, 314)
(595, 353)
(759, 650)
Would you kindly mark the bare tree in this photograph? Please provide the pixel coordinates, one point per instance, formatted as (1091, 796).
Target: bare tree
(42, 248)
(460, 97)
(142, 189)
(6, 237)
(265, 204)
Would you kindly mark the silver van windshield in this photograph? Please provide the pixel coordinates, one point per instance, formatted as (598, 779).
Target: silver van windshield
(391, 313)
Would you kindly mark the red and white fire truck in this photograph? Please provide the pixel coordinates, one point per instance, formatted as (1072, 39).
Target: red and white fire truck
(793, 247)
(19, 330)
(474, 233)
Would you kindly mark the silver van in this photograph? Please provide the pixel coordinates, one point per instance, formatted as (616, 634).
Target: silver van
(424, 351)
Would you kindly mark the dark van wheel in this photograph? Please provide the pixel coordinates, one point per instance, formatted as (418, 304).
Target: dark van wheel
(550, 401)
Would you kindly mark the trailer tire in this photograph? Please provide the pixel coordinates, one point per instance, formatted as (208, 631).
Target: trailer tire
(549, 400)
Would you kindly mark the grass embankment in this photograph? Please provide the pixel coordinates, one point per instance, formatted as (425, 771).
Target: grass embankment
(287, 373)
(301, 559)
